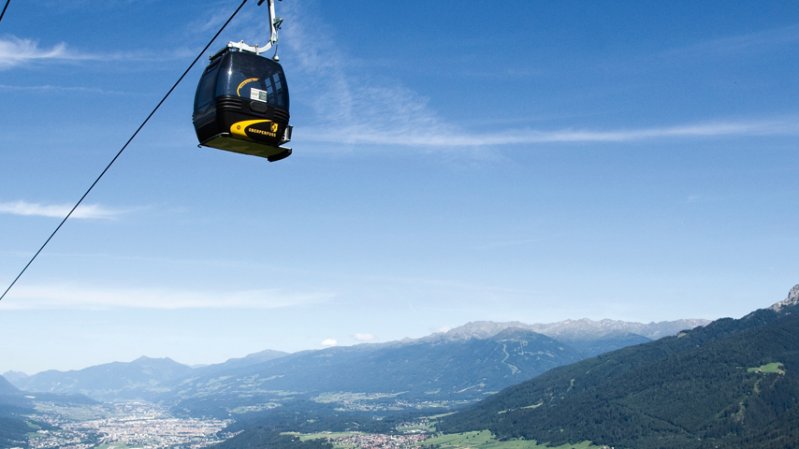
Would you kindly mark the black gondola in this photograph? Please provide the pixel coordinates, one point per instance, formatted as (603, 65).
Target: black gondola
(242, 105)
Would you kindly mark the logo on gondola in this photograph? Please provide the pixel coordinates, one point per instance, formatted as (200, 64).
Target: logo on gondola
(250, 129)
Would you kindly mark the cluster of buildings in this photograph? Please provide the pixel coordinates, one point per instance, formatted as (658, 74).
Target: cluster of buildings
(381, 441)
(140, 427)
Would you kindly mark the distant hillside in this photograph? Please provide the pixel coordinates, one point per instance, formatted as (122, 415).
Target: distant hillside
(730, 384)
(441, 370)
(590, 337)
(14, 376)
(11, 397)
(6, 388)
(13, 407)
(143, 378)
(238, 363)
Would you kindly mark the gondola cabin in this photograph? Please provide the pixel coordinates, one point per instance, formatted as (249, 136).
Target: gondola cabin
(242, 105)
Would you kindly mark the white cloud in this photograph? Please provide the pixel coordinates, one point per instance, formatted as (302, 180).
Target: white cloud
(446, 137)
(328, 343)
(365, 111)
(50, 89)
(372, 112)
(364, 337)
(734, 45)
(72, 297)
(84, 211)
(15, 51)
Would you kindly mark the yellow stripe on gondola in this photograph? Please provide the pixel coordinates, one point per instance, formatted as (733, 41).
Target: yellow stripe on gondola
(243, 83)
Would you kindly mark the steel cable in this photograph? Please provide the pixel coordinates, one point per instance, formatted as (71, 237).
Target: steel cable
(8, 2)
(121, 150)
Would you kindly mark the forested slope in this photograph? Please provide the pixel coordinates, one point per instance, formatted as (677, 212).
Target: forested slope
(732, 384)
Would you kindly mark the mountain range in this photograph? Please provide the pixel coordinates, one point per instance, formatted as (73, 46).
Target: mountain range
(731, 384)
(461, 365)
(573, 330)
(143, 378)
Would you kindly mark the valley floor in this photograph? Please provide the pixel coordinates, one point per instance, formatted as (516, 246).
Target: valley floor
(468, 440)
(142, 425)
(120, 426)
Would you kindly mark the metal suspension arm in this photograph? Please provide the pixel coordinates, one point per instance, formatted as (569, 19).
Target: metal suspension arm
(274, 25)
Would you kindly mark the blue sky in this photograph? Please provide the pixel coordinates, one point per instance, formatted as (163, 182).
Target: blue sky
(454, 161)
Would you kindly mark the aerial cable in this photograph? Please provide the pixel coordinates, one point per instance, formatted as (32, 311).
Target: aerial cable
(121, 150)
(4, 10)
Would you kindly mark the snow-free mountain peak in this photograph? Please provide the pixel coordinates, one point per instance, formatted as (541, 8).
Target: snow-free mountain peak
(791, 300)
(6, 387)
(480, 330)
(570, 330)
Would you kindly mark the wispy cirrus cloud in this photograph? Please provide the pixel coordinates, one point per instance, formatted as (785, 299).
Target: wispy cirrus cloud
(370, 112)
(22, 52)
(52, 89)
(447, 136)
(85, 211)
(81, 297)
(758, 41)
(366, 111)
(16, 51)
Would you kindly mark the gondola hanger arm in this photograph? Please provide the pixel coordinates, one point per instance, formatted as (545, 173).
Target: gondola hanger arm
(274, 25)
